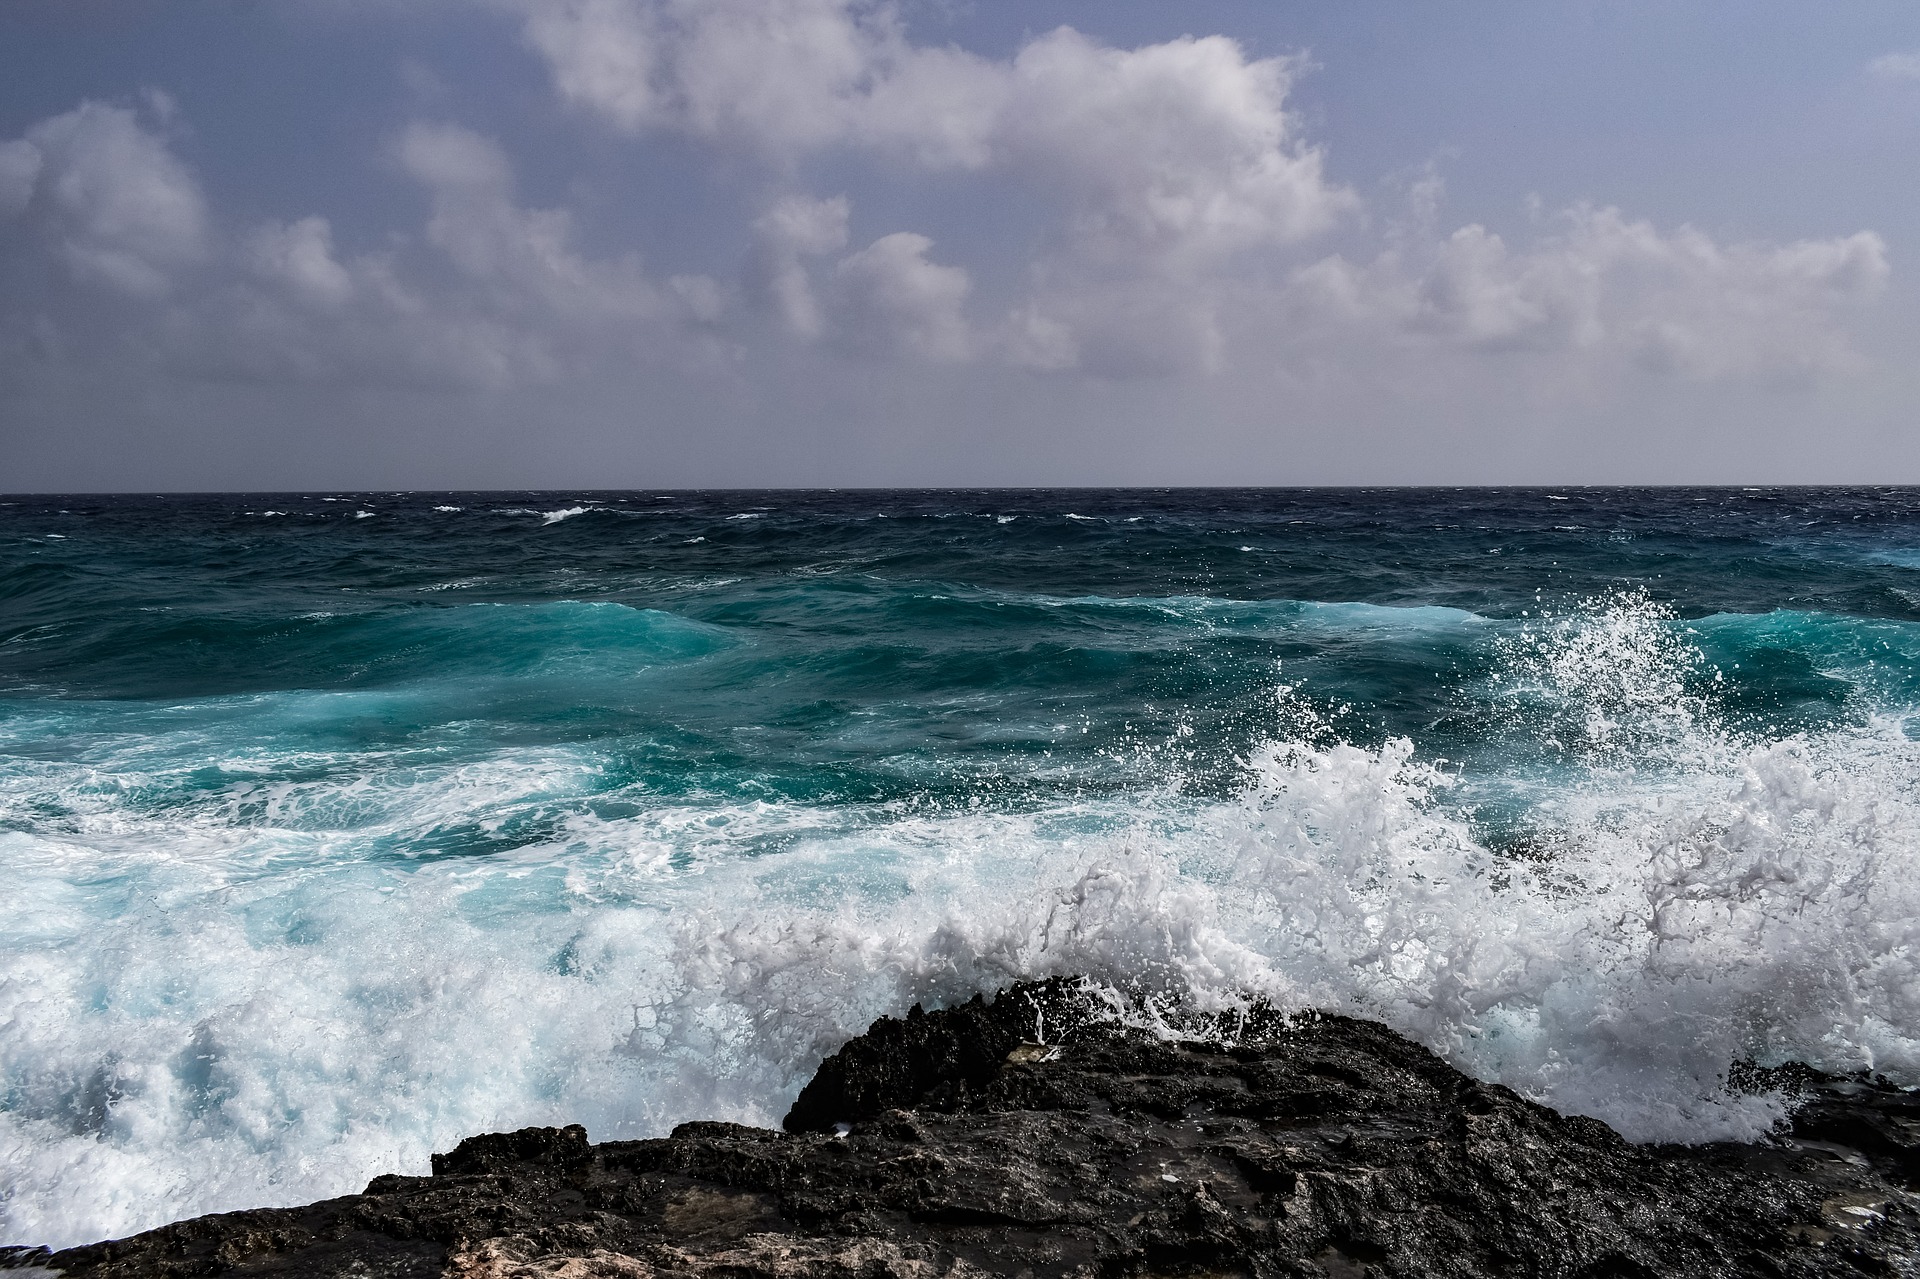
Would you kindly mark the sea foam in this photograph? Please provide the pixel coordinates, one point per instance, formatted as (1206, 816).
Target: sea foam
(283, 992)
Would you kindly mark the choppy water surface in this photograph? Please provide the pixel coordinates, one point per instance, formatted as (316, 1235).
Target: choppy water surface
(335, 827)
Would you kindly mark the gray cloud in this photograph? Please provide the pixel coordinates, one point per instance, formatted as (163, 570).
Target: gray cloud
(795, 229)
(101, 195)
(891, 297)
(106, 197)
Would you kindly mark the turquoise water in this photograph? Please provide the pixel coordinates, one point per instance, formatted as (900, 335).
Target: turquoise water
(340, 826)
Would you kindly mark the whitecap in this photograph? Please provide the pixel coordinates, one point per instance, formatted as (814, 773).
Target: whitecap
(317, 1009)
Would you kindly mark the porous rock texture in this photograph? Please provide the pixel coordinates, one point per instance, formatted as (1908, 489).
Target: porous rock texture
(1038, 1135)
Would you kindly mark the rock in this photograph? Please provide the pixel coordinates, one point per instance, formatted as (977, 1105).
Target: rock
(1035, 1135)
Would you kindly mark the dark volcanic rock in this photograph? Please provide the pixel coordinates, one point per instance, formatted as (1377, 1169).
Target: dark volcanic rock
(1031, 1137)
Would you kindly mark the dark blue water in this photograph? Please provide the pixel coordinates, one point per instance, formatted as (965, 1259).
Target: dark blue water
(339, 826)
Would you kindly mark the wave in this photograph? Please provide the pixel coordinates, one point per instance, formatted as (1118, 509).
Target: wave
(555, 516)
(336, 955)
(201, 653)
(287, 1036)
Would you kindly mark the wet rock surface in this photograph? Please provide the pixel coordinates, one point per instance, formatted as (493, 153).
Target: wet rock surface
(1032, 1136)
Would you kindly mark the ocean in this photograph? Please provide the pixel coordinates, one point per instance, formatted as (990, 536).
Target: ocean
(336, 827)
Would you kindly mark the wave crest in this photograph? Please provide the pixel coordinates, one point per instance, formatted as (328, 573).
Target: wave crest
(1674, 898)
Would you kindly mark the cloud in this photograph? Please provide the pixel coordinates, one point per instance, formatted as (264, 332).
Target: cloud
(1604, 283)
(797, 227)
(20, 162)
(107, 197)
(499, 296)
(525, 257)
(1141, 327)
(1895, 66)
(891, 298)
(1165, 167)
(1162, 162)
(786, 76)
(887, 299)
(1182, 145)
(300, 257)
(1186, 141)
(1182, 148)
(1182, 208)
(516, 303)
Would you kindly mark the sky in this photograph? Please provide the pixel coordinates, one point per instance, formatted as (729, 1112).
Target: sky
(303, 244)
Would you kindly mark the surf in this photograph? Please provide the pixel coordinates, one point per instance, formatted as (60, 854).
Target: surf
(305, 895)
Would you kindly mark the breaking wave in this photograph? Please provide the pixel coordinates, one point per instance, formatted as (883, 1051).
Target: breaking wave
(319, 971)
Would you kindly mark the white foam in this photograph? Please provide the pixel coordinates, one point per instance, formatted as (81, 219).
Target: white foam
(1609, 683)
(261, 1000)
(565, 513)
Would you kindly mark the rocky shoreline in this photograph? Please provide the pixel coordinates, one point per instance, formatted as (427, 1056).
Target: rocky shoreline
(1036, 1136)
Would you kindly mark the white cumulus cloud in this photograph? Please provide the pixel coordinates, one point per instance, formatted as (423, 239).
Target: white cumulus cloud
(887, 299)
(1183, 147)
(1676, 301)
(1162, 162)
(1186, 142)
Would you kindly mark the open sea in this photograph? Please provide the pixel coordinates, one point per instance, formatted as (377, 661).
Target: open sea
(336, 827)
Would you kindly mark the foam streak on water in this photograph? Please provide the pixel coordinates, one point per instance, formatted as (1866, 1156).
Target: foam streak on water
(331, 841)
